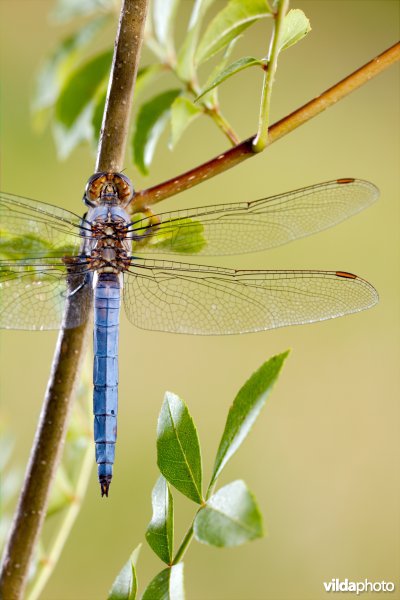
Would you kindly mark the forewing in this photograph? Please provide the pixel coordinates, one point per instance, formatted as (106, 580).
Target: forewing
(183, 298)
(34, 295)
(34, 229)
(258, 225)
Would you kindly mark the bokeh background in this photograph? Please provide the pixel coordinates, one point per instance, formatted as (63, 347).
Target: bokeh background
(323, 459)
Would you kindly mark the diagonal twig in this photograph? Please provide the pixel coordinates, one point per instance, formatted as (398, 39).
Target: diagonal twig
(245, 149)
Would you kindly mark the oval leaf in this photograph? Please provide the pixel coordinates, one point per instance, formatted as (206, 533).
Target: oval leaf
(210, 99)
(54, 70)
(125, 584)
(81, 87)
(167, 585)
(232, 69)
(178, 449)
(237, 16)
(185, 62)
(146, 76)
(245, 409)
(295, 27)
(164, 12)
(183, 112)
(150, 123)
(160, 531)
(231, 517)
(68, 138)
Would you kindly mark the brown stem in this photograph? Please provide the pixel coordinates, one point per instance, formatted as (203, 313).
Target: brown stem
(50, 434)
(245, 150)
(114, 131)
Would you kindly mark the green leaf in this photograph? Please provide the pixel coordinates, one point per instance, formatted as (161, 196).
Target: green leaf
(245, 409)
(146, 76)
(231, 517)
(81, 88)
(295, 28)
(167, 585)
(69, 9)
(186, 237)
(55, 69)
(30, 244)
(237, 16)
(150, 123)
(20, 246)
(160, 531)
(183, 112)
(125, 584)
(210, 99)
(68, 138)
(164, 12)
(185, 63)
(232, 69)
(178, 448)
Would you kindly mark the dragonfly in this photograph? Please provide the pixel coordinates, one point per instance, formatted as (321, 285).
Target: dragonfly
(50, 257)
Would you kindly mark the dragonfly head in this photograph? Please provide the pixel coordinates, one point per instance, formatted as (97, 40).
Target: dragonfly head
(111, 188)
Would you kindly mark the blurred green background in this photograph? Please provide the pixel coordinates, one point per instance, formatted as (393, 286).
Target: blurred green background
(323, 459)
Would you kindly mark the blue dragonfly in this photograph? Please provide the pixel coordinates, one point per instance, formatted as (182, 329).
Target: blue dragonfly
(49, 256)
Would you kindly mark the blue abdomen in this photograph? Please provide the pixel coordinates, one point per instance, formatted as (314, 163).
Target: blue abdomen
(107, 296)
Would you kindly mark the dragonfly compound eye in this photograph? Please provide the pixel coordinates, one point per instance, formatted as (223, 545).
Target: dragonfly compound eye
(107, 184)
(124, 188)
(93, 188)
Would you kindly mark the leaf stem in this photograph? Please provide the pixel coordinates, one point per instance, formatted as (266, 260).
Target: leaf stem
(245, 149)
(212, 111)
(50, 434)
(261, 139)
(222, 124)
(190, 532)
(184, 546)
(210, 489)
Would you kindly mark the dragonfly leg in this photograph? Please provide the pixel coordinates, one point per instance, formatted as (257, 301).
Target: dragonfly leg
(145, 227)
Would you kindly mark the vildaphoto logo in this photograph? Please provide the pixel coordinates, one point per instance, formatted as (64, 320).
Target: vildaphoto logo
(358, 587)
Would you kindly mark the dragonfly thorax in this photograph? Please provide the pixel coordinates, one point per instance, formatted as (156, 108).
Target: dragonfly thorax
(109, 245)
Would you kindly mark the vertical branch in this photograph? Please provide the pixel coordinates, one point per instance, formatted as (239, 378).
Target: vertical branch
(50, 434)
(115, 126)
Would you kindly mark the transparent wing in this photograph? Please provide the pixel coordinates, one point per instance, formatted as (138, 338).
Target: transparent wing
(258, 225)
(33, 295)
(183, 298)
(34, 229)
